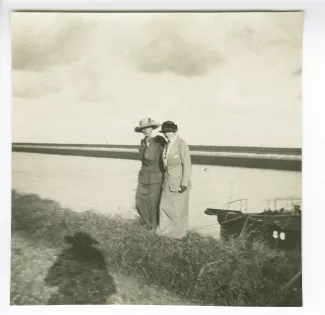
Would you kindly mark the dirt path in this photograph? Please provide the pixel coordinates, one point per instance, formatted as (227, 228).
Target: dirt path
(30, 261)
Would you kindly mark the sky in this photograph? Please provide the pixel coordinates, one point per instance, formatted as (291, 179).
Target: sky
(223, 78)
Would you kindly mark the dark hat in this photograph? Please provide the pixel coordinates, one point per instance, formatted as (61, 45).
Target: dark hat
(80, 238)
(168, 126)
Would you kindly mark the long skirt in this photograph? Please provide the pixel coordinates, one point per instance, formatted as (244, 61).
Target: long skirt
(173, 213)
(147, 203)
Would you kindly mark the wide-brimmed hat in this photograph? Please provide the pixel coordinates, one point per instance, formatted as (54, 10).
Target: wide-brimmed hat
(80, 238)
(168, 126)
(146, 123)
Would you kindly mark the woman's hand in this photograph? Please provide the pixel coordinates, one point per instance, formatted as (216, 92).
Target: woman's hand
(182, 188)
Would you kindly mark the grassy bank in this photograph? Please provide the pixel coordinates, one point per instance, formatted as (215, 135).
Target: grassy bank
(204, 270)
(32, 259)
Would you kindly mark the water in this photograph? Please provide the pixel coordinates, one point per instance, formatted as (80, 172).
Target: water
(108, 185)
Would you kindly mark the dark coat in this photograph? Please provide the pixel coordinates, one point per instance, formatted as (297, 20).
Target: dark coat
(152, 168)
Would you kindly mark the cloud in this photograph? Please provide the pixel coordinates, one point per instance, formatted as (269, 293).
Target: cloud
(41, 40)
(87, 81)
(257, 32)
(50, 54)
(170, 47)
(107, 71)
(175, 54)
(194, 44)
(32, 84)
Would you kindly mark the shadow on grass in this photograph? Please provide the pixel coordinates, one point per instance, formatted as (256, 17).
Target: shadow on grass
(80, 273)
(202, 269)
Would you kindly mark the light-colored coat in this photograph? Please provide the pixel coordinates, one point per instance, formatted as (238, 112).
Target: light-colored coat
(179, 167)
(173, 209)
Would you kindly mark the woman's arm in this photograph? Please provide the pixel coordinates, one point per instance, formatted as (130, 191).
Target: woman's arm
(161, 140)
(186, 163)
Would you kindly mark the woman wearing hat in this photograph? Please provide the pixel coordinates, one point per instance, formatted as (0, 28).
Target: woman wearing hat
(173, 209)
(151, 173)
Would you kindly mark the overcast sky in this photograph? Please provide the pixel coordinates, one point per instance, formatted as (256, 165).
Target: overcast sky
(224, 78)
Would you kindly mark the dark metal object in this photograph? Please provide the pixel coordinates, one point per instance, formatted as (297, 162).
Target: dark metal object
(280, 230)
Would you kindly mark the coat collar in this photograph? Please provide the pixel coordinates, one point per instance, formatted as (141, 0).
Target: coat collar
(176, 141)
(173, 140)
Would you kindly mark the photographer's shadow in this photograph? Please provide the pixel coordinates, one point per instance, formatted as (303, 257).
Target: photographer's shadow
(80, 274)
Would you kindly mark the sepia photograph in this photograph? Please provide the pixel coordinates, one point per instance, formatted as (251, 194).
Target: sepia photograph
(156, 158)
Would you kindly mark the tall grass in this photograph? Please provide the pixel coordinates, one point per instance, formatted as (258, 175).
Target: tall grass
(209, 271)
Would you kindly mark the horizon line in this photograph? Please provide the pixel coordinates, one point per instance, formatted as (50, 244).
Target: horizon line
(135, 145)
(194, 148)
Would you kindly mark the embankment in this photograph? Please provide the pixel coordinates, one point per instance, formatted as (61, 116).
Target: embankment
(249, 157)
(200, 269)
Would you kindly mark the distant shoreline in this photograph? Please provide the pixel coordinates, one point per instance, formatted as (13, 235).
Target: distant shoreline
(248, 157)
(235, 149)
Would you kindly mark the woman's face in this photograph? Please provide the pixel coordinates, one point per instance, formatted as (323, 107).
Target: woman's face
(147, 131)
(169, 135)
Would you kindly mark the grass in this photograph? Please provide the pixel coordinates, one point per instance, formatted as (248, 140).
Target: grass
(200, 269)
(31, 261)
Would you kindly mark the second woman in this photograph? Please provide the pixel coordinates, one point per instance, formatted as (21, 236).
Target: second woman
(174, 204)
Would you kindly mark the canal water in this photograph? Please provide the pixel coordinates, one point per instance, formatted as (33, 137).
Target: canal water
(108, 186)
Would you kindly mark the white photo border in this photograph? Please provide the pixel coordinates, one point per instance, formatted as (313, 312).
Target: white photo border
(313, 147)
